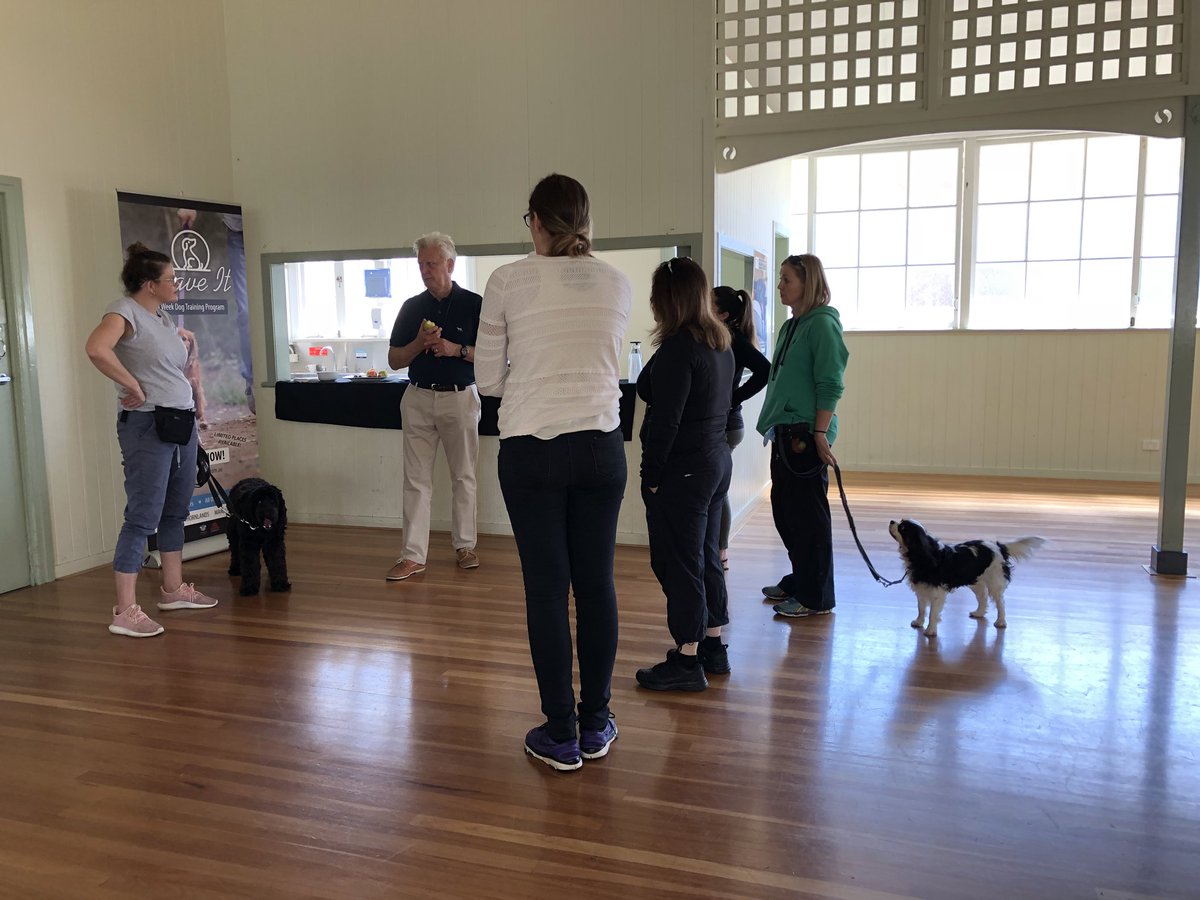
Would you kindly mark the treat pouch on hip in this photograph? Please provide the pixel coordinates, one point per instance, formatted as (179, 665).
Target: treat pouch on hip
(174, 426)
(798, 449)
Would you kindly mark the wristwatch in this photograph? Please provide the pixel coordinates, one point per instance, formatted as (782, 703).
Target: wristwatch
(462, 350)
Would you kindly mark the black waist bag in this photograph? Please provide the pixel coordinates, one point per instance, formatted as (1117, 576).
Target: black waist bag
(175, 426)
(798, 450)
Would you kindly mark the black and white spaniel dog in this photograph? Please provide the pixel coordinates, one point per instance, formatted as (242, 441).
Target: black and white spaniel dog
(935, 568)
(257, 521)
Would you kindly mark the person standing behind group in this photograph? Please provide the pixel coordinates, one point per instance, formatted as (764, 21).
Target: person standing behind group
(550, 340)
(440, 404)
(733, 307)
(138, 346)
(798, 417)
(686, 466)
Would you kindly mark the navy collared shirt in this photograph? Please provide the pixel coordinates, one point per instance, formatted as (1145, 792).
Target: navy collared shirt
(458, 317)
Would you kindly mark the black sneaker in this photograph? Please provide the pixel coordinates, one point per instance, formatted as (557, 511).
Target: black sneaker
(673, 675)
(714, 657)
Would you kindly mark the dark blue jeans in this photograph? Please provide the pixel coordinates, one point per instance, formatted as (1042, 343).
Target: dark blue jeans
(563, 496)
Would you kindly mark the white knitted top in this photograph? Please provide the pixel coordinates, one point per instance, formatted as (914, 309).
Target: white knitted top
(550, 338)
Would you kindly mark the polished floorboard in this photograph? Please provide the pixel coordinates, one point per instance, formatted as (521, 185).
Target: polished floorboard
(357, 739)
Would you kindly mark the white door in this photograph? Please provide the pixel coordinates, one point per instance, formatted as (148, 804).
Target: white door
(14, 539)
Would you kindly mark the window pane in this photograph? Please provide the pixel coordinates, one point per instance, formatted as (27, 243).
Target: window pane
(843, 294)
(837, 183)
(315, 306)
(1057, 170)
(881, 297)
(883, 238)
(1051, 290)
(931, 236)
(934, 177)
(1160, 219)
(1054, 229)
(798, 239)
(1001, 232)
(800, 186)
(1104, 287)
(1003, 173)
(1163, 161)
(1112, 166)
(1108, 227)
(930, 297)
(998, 295)
(1156, 294)
(836, 239)
(884, 180)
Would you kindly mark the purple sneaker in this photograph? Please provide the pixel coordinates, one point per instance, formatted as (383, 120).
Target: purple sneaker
(560, 755)
(595, 744)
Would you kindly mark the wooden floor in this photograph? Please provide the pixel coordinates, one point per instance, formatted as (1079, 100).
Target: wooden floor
(360, 740)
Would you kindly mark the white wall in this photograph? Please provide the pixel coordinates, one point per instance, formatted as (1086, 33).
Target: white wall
(749, 202)
(364, 124)
(124, 94)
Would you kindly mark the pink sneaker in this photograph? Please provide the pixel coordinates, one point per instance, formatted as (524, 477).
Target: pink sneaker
(134, 623)
(186, 597)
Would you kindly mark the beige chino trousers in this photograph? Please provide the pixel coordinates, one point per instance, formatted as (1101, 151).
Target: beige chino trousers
(450, 418)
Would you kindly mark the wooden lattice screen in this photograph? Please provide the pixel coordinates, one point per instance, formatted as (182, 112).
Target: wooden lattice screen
(805, 65)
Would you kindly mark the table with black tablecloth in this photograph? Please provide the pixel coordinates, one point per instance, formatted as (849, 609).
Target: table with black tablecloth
(362, 403)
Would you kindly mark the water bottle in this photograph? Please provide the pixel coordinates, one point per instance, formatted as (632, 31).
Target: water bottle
(635, 361)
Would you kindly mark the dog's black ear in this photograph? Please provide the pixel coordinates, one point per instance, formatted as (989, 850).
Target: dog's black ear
(282, 505)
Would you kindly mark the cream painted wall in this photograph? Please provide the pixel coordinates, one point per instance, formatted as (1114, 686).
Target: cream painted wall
(124, 94)
(749, 203)
(1074, 404)
(364, 124)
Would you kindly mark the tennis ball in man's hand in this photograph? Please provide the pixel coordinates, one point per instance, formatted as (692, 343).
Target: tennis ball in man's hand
(429, 326)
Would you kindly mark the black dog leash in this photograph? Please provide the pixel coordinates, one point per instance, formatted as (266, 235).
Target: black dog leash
(205, 476)
(837, 471)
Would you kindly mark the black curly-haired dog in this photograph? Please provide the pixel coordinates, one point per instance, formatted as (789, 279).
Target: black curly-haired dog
(257, 521)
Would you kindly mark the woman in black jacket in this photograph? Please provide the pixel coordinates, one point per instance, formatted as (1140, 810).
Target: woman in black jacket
(733, 307)
(686, 465)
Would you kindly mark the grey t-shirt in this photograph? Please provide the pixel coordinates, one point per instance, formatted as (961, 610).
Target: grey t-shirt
(155, 355)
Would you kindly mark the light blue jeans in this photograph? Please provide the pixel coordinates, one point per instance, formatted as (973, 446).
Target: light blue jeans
(160, 478)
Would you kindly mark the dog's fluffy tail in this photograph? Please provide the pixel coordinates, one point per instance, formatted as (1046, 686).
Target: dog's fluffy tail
(1023, 548)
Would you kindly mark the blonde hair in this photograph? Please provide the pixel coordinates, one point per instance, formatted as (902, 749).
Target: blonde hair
(679, 299)
(812, 273)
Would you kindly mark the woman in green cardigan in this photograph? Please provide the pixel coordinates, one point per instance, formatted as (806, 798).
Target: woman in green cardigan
(798, 417)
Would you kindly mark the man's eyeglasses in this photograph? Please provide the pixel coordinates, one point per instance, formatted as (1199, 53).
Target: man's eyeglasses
(525, 218)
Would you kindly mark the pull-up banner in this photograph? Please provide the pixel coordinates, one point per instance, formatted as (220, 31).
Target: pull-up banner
(205, 243)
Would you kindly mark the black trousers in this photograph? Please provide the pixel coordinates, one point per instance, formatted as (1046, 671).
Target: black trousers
(800, 507)
(563, 496)
(684, 521)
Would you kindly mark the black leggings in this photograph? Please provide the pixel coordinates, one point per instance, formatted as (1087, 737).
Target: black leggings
(800, 507)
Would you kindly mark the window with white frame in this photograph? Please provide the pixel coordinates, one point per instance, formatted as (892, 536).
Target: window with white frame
(1062, 231)
(885, 225)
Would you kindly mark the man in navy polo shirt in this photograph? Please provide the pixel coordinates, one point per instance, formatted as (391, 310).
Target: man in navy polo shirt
(434, 338)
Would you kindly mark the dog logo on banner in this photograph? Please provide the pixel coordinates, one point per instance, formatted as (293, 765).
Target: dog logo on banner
(189, 252)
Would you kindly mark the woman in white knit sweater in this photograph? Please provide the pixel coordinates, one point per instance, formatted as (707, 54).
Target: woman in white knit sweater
(550, 338)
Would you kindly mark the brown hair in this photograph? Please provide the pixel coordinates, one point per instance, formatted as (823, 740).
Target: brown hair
(812, 273)
(565, 214)
(141, 265)
(738, 309)
(680, 302)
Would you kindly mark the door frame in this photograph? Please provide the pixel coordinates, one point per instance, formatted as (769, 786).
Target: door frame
(30, 441)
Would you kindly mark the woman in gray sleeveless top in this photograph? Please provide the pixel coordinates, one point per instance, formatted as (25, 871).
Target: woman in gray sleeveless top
(138, 346)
